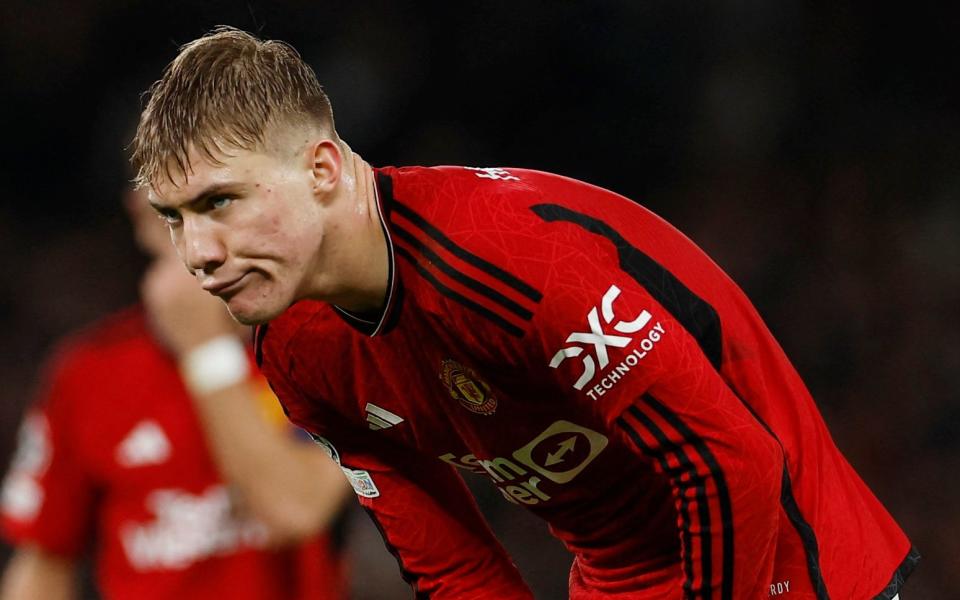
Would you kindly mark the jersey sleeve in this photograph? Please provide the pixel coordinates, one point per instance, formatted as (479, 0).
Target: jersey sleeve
(430, 523)
(47, 495)
(623, 335)
(426, 515)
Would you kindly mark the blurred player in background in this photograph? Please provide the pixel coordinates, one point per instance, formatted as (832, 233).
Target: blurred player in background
(157, 446)
(550, 335)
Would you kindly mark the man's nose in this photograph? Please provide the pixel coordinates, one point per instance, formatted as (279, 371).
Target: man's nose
(203, 250)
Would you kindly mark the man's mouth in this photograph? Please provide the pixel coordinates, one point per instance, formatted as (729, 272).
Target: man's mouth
(223, 287)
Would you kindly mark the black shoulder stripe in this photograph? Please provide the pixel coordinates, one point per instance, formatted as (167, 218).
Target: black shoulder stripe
(443, 289)
(468, 257)
(469, 282)
(696, 316)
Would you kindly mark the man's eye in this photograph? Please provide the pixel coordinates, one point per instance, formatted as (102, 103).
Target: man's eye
(169, 217)
(220, 201)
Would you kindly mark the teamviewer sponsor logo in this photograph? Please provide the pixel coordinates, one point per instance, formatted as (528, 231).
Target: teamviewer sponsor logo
(562, 451)
(534, 472)
(591, 347)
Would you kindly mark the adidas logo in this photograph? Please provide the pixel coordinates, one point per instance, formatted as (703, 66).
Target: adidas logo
(381, 418)
(145, 445)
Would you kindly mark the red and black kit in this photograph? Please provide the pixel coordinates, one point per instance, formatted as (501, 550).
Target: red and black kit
(602, 372)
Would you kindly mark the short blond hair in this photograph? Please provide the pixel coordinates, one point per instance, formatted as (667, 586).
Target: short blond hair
(224, 90)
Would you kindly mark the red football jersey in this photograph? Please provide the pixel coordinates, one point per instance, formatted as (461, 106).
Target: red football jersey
(605, 374)
(114, 454)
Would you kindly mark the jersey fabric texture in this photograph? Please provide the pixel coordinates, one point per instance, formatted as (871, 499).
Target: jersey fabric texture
(603, 373)
(114, 453)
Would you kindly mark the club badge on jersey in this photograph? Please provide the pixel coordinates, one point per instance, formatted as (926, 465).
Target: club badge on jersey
(465, 386)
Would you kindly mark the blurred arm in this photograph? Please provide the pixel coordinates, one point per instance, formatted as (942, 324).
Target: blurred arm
(34, 573)
(292, 487)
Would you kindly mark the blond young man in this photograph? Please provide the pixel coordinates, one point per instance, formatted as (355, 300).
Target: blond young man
(550, 335)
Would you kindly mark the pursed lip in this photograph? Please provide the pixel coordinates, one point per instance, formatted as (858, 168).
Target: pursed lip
(222, 287)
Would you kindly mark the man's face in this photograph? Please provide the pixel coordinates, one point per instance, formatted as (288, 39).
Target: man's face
(250, 229)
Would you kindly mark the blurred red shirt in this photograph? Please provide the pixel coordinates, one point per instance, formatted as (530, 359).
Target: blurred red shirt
(113, 459)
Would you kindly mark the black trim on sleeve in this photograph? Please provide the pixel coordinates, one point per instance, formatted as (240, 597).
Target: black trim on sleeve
(693, 479)
(723, 492)
(906, 567)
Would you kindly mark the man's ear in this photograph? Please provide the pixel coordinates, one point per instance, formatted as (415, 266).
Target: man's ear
(326, 163)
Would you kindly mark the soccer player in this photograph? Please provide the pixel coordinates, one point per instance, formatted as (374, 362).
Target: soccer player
(550, 335)
(156, 443)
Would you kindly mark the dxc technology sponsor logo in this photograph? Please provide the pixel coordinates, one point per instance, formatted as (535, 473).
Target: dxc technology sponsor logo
(587, 345)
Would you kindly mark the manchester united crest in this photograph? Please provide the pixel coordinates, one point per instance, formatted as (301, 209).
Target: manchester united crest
(465, 386)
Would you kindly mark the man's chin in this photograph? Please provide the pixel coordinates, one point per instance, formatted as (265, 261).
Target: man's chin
(251, 315)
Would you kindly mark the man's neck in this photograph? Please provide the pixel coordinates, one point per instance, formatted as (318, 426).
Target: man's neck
(370, 268)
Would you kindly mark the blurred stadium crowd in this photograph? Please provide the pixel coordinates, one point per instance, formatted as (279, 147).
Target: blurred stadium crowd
(811, 148)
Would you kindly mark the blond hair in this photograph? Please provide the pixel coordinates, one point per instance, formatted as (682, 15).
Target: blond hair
(224, 91)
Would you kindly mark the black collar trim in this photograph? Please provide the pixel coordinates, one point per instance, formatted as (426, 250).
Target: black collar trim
(382, 322)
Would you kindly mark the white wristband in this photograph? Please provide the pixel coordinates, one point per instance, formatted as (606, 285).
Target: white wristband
(215, 365)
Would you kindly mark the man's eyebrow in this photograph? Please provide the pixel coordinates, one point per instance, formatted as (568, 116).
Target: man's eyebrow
(211, 190)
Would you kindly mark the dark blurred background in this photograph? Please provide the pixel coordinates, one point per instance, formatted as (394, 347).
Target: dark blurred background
(811, 148)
